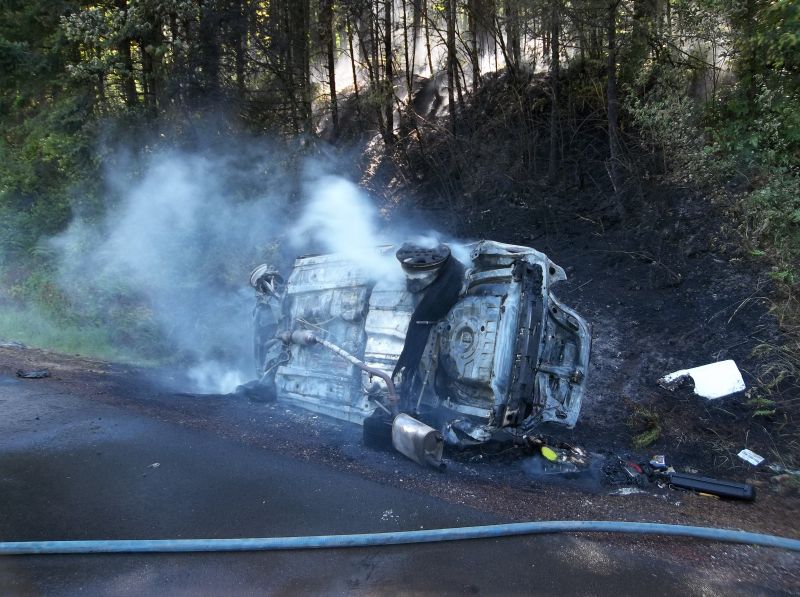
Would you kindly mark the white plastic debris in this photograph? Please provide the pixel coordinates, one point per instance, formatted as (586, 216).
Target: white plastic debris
(712, 381)
(627, 491)
(751, 457)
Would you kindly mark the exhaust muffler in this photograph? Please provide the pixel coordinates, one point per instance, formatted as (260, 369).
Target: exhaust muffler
(417, 441)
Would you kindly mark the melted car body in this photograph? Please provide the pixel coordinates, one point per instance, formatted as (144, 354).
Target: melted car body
(473, 347)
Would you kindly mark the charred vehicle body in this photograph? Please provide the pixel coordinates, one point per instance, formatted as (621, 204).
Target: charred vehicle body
(444, 351)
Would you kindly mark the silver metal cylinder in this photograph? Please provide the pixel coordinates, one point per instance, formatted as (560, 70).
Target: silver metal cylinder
(417, 441)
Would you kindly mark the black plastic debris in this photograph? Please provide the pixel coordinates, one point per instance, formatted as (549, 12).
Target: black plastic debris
(33, 373)
(708, 486)
(618, 471)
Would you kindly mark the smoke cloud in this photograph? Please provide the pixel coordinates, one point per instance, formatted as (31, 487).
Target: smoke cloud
(182, 231)
(341, 219)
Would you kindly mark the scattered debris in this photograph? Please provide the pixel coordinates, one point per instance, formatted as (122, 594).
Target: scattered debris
(154, 465)
(712, 381)
(33, 373)
(635, 472)
(751, 457)
(562, 452)
(785, 483)
(641, 476)
(549, 453)
(627, 491)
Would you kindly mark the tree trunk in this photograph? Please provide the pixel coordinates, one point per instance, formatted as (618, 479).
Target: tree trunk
(128, 82)
(389, 72)
(427, 36)
(208, 50)
(124, 50)
(513, 46)
(147, 75)
(555, 26)
(474, 49)
(349, 26)
(239, 34)
(406, 53)
(638, 43)
(613, 102)
(327, 37)
(415, 17)
(301, 67)
(449, 7)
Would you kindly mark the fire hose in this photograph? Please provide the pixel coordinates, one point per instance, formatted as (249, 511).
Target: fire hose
(393, 538)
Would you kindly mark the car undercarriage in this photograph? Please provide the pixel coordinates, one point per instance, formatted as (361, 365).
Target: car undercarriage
(464, 349)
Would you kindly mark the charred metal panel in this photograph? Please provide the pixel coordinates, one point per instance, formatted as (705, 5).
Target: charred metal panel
(467, 347)
(390, 309)
(331, 295)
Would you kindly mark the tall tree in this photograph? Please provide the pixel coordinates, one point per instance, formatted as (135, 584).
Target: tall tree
(450, 16)
(614, 162)
(124, 51)
(513, 34)
(555, 72)
(327, 36)
(388, 26)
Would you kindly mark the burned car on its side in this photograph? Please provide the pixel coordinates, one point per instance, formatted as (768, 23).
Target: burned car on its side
(445, 351)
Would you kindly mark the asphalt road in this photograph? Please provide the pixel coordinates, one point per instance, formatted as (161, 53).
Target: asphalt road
(73, 468)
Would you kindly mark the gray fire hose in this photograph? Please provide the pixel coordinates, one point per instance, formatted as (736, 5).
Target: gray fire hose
(395, 538)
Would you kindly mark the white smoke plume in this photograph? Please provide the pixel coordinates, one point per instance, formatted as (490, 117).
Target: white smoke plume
(340, 217)
(184, 229)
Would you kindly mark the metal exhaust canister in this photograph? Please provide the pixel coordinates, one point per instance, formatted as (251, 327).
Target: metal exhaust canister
(417, 441)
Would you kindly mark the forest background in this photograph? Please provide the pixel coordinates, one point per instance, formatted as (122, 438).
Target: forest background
(468, 98)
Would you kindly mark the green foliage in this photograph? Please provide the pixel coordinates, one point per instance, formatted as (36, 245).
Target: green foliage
(646, 422)
(44, 139)
(34, 329)
(763, 407)
(778, 34)
(107, 321)
(747, 136)
(776, 221)
(762, 131)
(668, 121)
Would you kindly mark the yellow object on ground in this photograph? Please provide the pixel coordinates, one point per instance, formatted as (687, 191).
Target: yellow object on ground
(549, 453)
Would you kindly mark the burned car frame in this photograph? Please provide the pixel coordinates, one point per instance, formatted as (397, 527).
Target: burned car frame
(466, 348)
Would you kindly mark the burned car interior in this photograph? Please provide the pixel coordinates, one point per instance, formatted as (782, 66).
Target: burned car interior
(435, 352)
